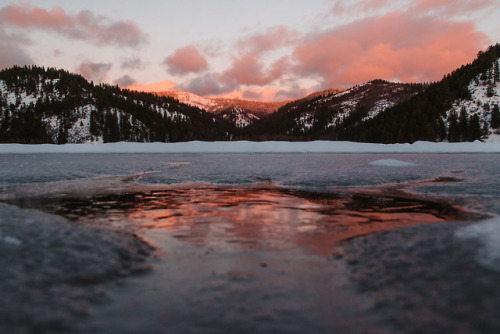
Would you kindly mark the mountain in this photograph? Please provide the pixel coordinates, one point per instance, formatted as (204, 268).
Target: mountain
(463, 106)
(328, 114)
(240, 112)
(39, 105)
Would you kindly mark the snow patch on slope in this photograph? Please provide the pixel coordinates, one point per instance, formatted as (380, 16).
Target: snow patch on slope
(485, 94)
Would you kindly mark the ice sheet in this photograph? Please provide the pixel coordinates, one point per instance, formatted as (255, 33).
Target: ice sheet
(255, 147)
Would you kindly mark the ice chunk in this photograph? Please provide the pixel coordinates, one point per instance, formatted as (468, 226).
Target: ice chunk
(12, 241)
(392, 163)
(487, 233)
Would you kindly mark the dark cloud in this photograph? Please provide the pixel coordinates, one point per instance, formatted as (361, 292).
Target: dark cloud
(94, 71)
(134, 63)
(125, 81)
(12, 51)
(209, 84)
(251, 95)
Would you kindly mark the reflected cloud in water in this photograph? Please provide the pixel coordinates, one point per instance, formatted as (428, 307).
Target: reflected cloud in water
(263, 219)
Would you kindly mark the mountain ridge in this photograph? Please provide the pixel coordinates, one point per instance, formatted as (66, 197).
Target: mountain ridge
(39, 105)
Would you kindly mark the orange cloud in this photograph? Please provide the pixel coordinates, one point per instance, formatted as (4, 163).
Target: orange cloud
(84, 25)
(254, 94)
(186, 60)
(395, 46)
(268, 94)
(154, 87)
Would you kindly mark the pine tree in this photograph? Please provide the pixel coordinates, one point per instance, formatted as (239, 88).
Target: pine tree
(495, 117)
(93, 128)
(111, 128)
(474, 128)
(62, 136)
(496, 71)
(453, 132)
(463, 124)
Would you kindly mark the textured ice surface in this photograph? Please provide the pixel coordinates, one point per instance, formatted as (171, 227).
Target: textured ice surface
(488, 234)
(53, 270)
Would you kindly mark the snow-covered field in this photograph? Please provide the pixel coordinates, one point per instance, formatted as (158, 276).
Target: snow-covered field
(255, 147)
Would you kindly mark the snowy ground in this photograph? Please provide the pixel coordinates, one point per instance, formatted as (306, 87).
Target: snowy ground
(256, 147)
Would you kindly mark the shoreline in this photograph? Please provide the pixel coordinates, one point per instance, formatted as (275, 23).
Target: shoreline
(253, 147)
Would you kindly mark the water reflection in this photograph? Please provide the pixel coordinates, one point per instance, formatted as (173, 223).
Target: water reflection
(264, 219)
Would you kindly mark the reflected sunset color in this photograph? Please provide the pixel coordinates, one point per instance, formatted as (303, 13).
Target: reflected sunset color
(262, 219)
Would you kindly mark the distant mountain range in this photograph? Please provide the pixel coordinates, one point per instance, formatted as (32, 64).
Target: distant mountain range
(39, 105)
(239, 111)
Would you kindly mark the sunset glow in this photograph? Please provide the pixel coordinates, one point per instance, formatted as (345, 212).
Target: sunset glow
(267, 219)
(256, 50)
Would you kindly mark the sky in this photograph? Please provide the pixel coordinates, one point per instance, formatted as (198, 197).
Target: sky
(267, 50)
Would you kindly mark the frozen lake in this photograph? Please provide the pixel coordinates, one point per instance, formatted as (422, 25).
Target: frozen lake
(248, 242)
(477, 174)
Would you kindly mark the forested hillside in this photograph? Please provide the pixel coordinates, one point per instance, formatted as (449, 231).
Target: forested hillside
(53, 106)
(463, 106)
(331, 116)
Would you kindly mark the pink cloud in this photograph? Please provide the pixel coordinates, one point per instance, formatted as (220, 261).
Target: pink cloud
(272, 39)
(408, 45)
(94, 71)
(341, 7)
(186, 60)
(451, 7)
(396, 46)
(249, 70)
(436, 8)
(83, 25)
(246, 70)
